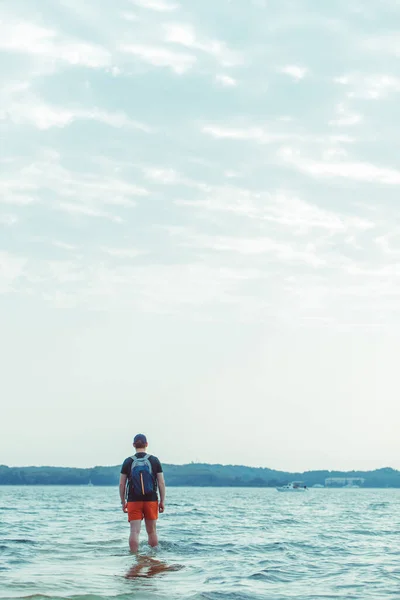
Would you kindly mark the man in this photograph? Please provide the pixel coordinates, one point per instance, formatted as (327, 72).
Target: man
(144, 475)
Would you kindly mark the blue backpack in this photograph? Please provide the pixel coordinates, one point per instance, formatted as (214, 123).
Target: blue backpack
(142, 480)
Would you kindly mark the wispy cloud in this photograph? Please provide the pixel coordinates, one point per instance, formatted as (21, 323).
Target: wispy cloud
(157, 5)
(14, 191)
(158, 56)
(11, 269)
(282, 252)
(294, 71)
(169, 167)
(226, 80)
(273, 133)
(257, 134)
(32, 39)
(345, 117)
(87, 211)
(64, 245)
(356, 171)
(85, 195)
(372, 87)
(387, 43)
(183, 34)
(8, 219)
(124, 252)
(280, 209)
(25, 108)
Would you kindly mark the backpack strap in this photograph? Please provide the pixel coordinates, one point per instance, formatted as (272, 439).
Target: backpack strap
(134, 459)
(147, 457)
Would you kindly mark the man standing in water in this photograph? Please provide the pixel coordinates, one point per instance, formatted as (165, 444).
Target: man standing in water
(144, 475)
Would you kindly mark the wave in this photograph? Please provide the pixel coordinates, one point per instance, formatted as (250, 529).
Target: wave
(378, 505)
(228, 596)
(20, 541)
(108, 596)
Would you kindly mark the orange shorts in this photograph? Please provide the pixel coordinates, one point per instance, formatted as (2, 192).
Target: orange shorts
(142, 510)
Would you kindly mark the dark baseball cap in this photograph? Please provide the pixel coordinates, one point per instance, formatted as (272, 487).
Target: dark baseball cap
(140, 438)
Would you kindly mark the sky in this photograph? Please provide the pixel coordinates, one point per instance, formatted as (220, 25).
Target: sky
(200, 232)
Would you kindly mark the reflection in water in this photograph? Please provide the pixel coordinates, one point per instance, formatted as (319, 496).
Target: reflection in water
(149, 567)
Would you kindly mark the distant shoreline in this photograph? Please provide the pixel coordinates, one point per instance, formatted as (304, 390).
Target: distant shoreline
(200, 475)
(205, 486)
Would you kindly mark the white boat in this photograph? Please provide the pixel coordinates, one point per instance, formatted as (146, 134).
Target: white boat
(295, 486)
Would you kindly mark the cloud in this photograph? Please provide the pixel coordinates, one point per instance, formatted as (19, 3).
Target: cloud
(154, 288)
(282, 209)
(226, 80)
(386, 245)
(370, 87)
(164, 176)
(11, 269)
(123, 252)
(294, 71)
(159, 56)
(303, 217)
(345, 117)
(237, 165)
(356, 171)
(29, 38)
(17, 192)
(184, 34)
(167, 176)
(64, 271)
(25, 108)
(87, 194)
(87, 211)
(64, 245)
(256, 134)
(157, 5)
(282, 252)
(388, 44)
(270, 134)
(8, 219)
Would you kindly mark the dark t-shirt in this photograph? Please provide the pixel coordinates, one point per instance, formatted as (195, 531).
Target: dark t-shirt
(155, 467)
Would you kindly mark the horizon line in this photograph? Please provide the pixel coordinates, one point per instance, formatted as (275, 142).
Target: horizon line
(353, 470)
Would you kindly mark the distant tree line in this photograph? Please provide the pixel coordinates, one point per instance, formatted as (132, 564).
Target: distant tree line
(194, 474)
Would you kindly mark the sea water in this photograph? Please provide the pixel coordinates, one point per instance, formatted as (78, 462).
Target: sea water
(225, 544)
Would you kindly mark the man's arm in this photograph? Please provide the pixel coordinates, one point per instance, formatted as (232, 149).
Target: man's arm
(122, 487)
(161, 487)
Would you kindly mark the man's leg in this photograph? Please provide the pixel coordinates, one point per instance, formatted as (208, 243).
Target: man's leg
(151, 528)
(134, 536)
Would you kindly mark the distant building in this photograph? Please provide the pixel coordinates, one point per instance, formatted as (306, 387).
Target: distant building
(344, 481)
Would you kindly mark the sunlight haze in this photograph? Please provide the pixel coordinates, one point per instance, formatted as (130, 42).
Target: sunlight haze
(200, 232)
